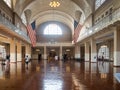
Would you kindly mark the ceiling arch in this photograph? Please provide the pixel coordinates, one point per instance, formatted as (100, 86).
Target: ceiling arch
(85, 5)
(68, 11)
(66, 6)
(58, 16)
(42, 12)
(20, 5)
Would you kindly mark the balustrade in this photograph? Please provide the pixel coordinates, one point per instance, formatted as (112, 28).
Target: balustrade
(110, 19)
(12, 27)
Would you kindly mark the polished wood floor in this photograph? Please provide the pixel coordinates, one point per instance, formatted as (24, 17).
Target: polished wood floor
(58, 75)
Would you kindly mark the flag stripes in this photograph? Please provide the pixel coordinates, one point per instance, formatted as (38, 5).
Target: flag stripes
(32, 34)
(77, 32)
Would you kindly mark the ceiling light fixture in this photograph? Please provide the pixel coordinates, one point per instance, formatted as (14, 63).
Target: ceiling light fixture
(67, 50)
(37, 50)
(54, 4)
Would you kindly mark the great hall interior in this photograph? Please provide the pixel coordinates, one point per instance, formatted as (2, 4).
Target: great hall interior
(69, 44)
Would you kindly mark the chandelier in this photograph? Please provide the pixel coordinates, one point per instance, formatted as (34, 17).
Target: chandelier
(54, 4)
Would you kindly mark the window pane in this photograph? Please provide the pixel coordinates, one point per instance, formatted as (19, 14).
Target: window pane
(53, 29)
(104, 51)
(8, 2)
(24, 19)
(98, 3)
(102, 1)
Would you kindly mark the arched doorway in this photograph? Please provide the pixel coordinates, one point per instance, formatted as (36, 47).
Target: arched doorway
(103, 51)
(52, 52)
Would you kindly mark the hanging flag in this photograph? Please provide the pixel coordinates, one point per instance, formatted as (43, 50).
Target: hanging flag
(77, 32)
(75, 24)
(31, 32)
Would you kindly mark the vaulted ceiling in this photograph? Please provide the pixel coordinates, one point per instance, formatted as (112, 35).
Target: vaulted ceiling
(66, 13)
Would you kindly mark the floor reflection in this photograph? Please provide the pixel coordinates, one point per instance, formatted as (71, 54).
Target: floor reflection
(52, 84)
(58, 75)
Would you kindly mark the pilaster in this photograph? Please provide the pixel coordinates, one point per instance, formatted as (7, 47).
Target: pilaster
(86, 51)
(93, 51)
(116, 47)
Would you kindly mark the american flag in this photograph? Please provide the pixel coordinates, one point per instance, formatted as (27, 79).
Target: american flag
(32, 33)
(77, 32)
(75, 24)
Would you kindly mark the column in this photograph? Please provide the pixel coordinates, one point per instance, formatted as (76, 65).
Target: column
(60, 52)
(19, 54)
(77, 52)
(28, 50)
(12, 51)
(93, 51)
(117, 47)
(45, 54)
(86, 51)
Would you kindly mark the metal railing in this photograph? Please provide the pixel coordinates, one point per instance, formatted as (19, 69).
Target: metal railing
(12, 27)
(110, 19)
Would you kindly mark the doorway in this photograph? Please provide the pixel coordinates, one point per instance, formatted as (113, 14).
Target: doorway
(82, 52)
(104, 51)
(23, 52)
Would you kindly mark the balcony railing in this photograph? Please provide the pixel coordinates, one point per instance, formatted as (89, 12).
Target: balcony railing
(12, 27)
(67, 43)
(110, 19)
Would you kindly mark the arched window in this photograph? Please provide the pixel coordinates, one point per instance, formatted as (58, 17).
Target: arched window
(104, 51)
(24, 19)
(8, 2)
(98, 3)
(52, 29)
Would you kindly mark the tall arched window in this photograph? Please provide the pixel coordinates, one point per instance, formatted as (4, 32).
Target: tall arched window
(52, 29)
(8, 2)
(98, 3)
(24, 19)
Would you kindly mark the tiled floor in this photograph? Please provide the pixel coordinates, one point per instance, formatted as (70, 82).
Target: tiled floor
(58, 75)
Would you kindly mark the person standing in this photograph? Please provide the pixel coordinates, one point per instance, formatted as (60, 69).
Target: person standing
(39, 58)
(26, 61)
(8, 58)
(103, 58)
(65, 57)
(56, 57)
